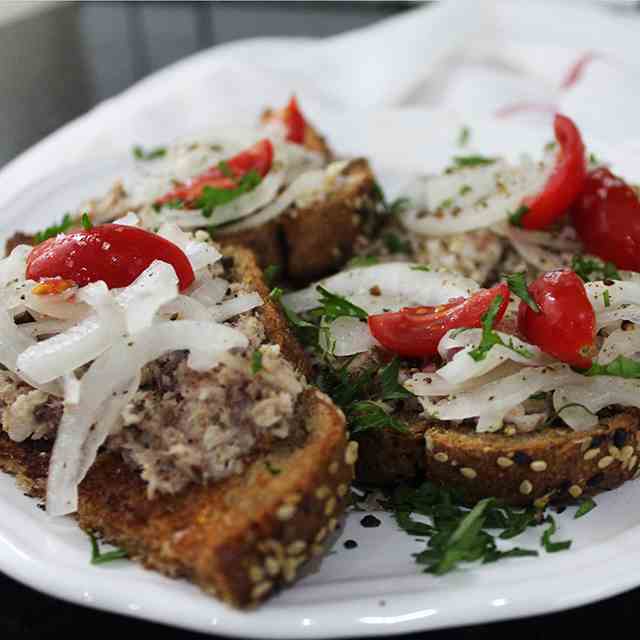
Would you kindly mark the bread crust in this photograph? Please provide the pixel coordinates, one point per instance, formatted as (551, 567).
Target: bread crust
(555, 464)
(242, 538)
(310, 242)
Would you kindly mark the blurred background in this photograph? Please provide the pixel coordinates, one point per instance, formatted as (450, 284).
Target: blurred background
(58, 59)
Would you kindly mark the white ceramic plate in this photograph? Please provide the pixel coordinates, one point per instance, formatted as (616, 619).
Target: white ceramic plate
(375, 589)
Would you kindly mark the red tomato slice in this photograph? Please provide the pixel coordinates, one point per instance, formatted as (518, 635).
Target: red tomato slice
(565, 326)
(258, 158)
(607, 219)
(414, 332)
(565, 183)
(294, 121)
(115, 253)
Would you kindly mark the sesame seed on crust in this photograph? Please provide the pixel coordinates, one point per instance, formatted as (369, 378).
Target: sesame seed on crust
(351, 454)
(575, 491)
(626, 452)
(441, 456)
(526, 487)
(603, 463)
(330, 506)
(591, 454)
(261, 589)
(285, 512)
(504, 462)
(538, 466)
(468, 472)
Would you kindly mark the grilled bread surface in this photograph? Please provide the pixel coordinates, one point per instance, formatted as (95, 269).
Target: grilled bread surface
(241, 538)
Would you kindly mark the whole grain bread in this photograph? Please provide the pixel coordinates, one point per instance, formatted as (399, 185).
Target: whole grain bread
(239, 539)
(310, 241)
(554, 464)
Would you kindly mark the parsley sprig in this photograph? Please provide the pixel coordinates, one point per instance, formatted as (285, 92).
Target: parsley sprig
(213, 197)
(54, 229)
(458, 534)
(99, 557)
(139, 153)
(490, 337)
(621, 367)
(473, 161)
(334, 306)
(518, 286)
(590, 269)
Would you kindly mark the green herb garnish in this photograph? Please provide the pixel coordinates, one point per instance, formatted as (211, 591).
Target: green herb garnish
(362, 261)
(455, 533)
(464, 189)
(54, 229)
(464, 136)
(367, 414)
(518, 286)
(271, 274)
(586, 505)
(606, 298)
(335, 306)
(621, 367)
(225, 169)
(593, 269)
(140, 154)
(394, 244)
(515, 218)
(391, 388)
(399, 205)
(473, 161)
(274, 471)
(445, 204)
(421, 267)
(86, 221)
(213, 197)
(490, 338)
(97, 557)
(549, 545)
(256, 362)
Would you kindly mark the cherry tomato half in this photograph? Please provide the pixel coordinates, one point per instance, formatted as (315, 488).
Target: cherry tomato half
(607, 219)
(258, 158)
(415, 332)
(115, 253)
(564, 184)
(565, 326)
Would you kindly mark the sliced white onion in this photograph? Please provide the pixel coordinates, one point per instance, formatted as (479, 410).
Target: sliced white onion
(235, 306)
(60, 306)
(130, 220)
(609, 316)
(71, 388)
(186, 308)
(463, 367)
(350, 336)
(45, 327)
(538, 257)
(563, 241)
(13, 267)
(620, 292)
(594, 393)
(509, 186)
(201, 254)
(308, 183)
(493, 401)
(209, 291)
(112, 372)
(619, 343)
(400, 284)
(173, 233)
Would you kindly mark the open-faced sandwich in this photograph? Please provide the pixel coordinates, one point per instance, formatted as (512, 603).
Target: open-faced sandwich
(276, 189)
(152, 389)
(526, 391)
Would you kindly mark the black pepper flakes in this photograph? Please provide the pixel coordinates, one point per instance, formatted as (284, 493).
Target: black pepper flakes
(370, 521)
(520, 457)
(620, 438)
(350, 544)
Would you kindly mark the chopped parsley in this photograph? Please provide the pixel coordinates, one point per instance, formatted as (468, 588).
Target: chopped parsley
(256, 362)
(464, 136)
(98, 557)
(590, 269)
(456, 534)
(518, 286)
(362, 261)
(446, 204)
(549, 545)
(606, 298)
(464, 189)
(86, 222)
(225, 169)
(515, 218)
(421, 267)
(367, 414)
(586, 505)
(490, 338)
(54, 229)
(152, 154)
(334, 306)
(398, 206)
(271, 274)
(395, 244)
(391, 388)
(550, 146)
(472, 161)
(274, 471)
(213, 197)
(621, 367)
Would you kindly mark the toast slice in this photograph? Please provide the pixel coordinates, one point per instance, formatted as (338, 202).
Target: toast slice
(241, 538)
(556, 464)
(312, 240)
